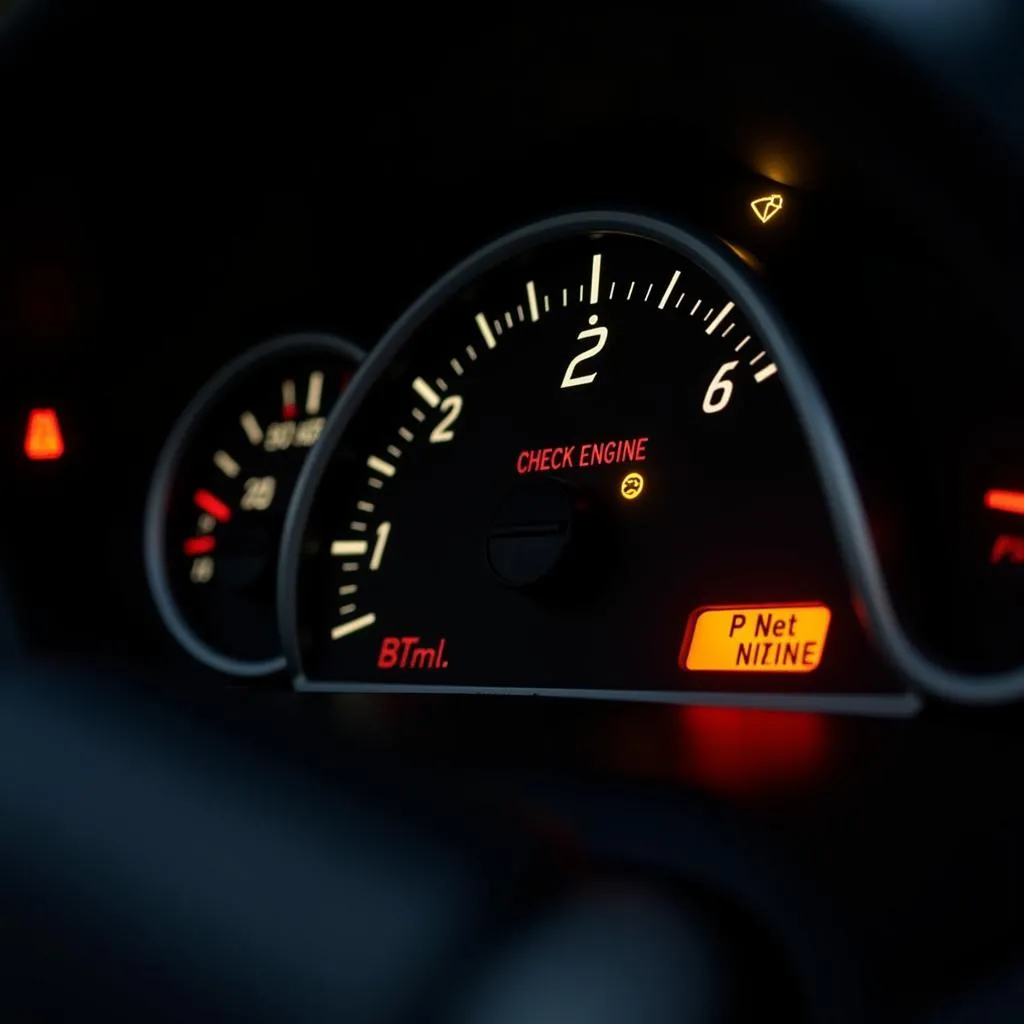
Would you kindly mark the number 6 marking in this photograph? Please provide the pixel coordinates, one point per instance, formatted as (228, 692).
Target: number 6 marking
(719, 391)
(601, 333)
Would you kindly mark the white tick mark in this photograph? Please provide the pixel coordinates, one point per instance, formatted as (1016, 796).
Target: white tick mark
(668, 291)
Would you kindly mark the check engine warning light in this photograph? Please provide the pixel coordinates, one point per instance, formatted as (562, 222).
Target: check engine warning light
(632, 486)
(770, 638)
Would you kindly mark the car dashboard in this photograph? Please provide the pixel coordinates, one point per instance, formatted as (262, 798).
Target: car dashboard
(631, 398)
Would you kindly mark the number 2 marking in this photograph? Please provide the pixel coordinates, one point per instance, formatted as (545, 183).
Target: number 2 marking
(601, 333)
(452, 407)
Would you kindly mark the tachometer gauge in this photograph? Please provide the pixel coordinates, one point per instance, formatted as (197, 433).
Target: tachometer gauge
(570, 468)
(220, 490)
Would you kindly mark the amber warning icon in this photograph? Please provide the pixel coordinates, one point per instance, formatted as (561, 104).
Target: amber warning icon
(632, 485)
(767, 207)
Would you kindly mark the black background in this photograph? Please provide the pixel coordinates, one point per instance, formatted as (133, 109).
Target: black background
(179, 186)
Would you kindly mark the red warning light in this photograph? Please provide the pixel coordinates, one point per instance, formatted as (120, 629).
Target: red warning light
(200, 545)
(1005, 501)
(212, 505)
(43, 439)
(1007, 548)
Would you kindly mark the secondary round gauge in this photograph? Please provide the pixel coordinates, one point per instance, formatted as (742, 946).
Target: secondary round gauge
(220, 490)
(570, 466)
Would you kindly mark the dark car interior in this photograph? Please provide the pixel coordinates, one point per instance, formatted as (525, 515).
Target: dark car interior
(666, 670)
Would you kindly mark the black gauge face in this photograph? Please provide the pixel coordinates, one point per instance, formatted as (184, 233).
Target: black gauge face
(219, 495)
(567, 453)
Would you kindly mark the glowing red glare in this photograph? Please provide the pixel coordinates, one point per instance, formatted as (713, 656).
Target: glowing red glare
(740, 752)
(43, 438)
(1009, 548)
(199, 545)
(1005, 501)
(290, 411)
(213, 505)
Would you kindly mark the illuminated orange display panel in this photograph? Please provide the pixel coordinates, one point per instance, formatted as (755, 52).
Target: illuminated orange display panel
(43, 438)
(764, 638)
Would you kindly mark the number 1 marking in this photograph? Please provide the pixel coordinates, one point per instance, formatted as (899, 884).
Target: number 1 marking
(383, 532)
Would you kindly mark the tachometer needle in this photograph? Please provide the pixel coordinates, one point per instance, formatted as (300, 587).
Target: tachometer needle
(213, 505)
(1005, 501)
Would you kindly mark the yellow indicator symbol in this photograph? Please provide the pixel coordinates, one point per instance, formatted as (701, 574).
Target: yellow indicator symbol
(632, 485)
(770, 638)
(767, 207)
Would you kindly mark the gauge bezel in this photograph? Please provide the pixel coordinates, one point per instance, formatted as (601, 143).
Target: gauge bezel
(170, 458)
(846, 508)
